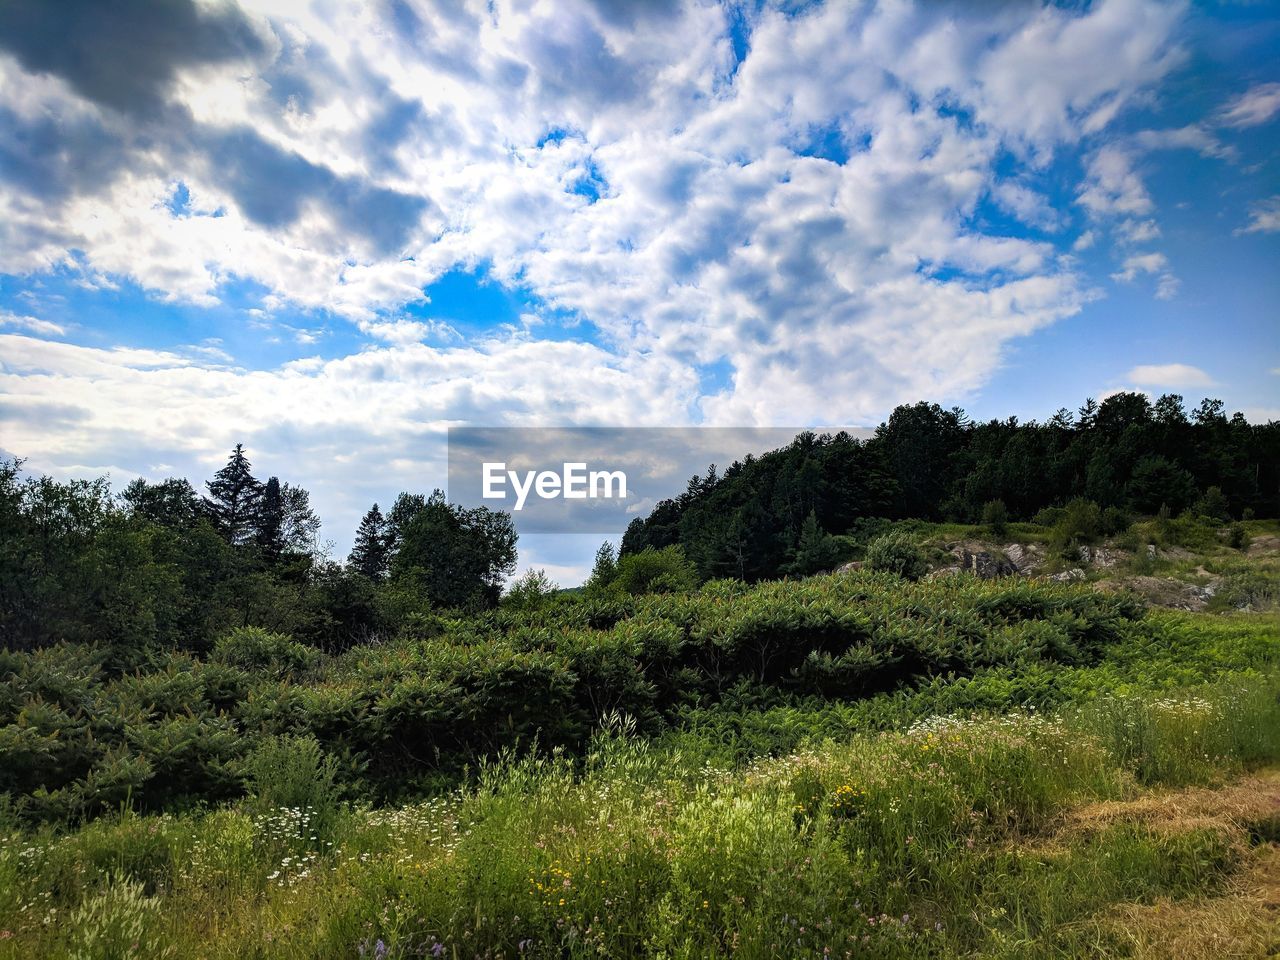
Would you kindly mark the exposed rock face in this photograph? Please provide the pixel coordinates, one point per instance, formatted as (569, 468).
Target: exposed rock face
(1165, 591)
(849, 567)
(987, 565)
(1074, 575)
(1024, 556)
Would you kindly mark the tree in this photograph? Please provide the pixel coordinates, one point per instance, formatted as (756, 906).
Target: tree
(454, 556)
(369, 553)
(1156, 482)
(171, 503)
(815, 550)
(270, 520)
(299, 526)
(234, 498)
(605, 568)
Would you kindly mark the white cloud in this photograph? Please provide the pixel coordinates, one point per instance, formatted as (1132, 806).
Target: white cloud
(1141, 263)
(1112, 187)
(1252, 108)
(805, 219)
(1169, 375)
(1264, 217)
(32, 324)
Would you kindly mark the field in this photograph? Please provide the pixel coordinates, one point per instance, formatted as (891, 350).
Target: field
(850, 766)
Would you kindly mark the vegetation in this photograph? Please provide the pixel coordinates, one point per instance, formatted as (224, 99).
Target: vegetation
(217, 742)
(1125, 455)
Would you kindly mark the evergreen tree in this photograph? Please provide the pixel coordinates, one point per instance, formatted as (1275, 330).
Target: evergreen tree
(369, 554)
(234, 499)
(815, 551)
(270, 520)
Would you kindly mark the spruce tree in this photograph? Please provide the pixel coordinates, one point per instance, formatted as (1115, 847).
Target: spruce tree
(270, 519)
(234, 499)
(369, 553)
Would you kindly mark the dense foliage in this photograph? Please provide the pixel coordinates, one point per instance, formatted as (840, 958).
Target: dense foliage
(79, 736)
(1126, 454)
(1020, 835)
(161, 568)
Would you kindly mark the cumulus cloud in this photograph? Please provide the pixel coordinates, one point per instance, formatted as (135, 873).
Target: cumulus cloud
(802, 211)
(1169, 375)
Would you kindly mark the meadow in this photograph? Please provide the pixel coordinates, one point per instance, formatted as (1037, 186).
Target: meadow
(848, 766)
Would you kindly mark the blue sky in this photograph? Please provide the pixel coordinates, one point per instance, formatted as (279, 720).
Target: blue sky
(333, 231)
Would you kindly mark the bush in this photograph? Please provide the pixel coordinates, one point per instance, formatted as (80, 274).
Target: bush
(252, 648)
(898, 554)
(1237, 536)
(1115, 521)
(995, 516)
(1080, 523)
(1212, 504)
(655, 571)
(531, 591)
(292, 772)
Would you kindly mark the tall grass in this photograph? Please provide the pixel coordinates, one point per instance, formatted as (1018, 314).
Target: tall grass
(938, 840)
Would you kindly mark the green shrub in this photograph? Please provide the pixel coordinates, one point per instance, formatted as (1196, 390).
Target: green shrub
(252, 648)
(1213, 505)
(531, 591)
(1079, 524)
(294, 773)
(1237, 536)
(995, 517)
(655, 571)
(897, 554)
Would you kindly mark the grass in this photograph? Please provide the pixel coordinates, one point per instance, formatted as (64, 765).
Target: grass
(1008, 836)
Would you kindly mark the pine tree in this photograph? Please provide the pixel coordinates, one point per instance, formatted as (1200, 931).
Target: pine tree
(270, 520)
(369, 554)
(234, 499)
(814, 551)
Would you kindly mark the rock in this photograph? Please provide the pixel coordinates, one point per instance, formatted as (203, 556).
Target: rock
(941, 572)
(849, 567)
(981, 562)
(1024, 556)
(1168, 592)
(1074, 575)
(1107, 557)
(1151, 550)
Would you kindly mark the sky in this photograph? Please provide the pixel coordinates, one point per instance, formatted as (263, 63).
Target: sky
(332, 230)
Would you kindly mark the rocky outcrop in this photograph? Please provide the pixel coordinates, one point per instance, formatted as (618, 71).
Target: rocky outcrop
(1165, 591)
(1074, 575)
(982, 561)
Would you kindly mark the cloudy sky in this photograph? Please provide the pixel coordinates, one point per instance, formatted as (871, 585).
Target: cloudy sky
(332, 230)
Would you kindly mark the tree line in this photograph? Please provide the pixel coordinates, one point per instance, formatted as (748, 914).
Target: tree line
(770, 515)
(161, 566)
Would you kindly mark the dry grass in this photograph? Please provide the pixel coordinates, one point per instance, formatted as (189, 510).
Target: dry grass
(1242, 923)
(1242, 805)
(1244, 920)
